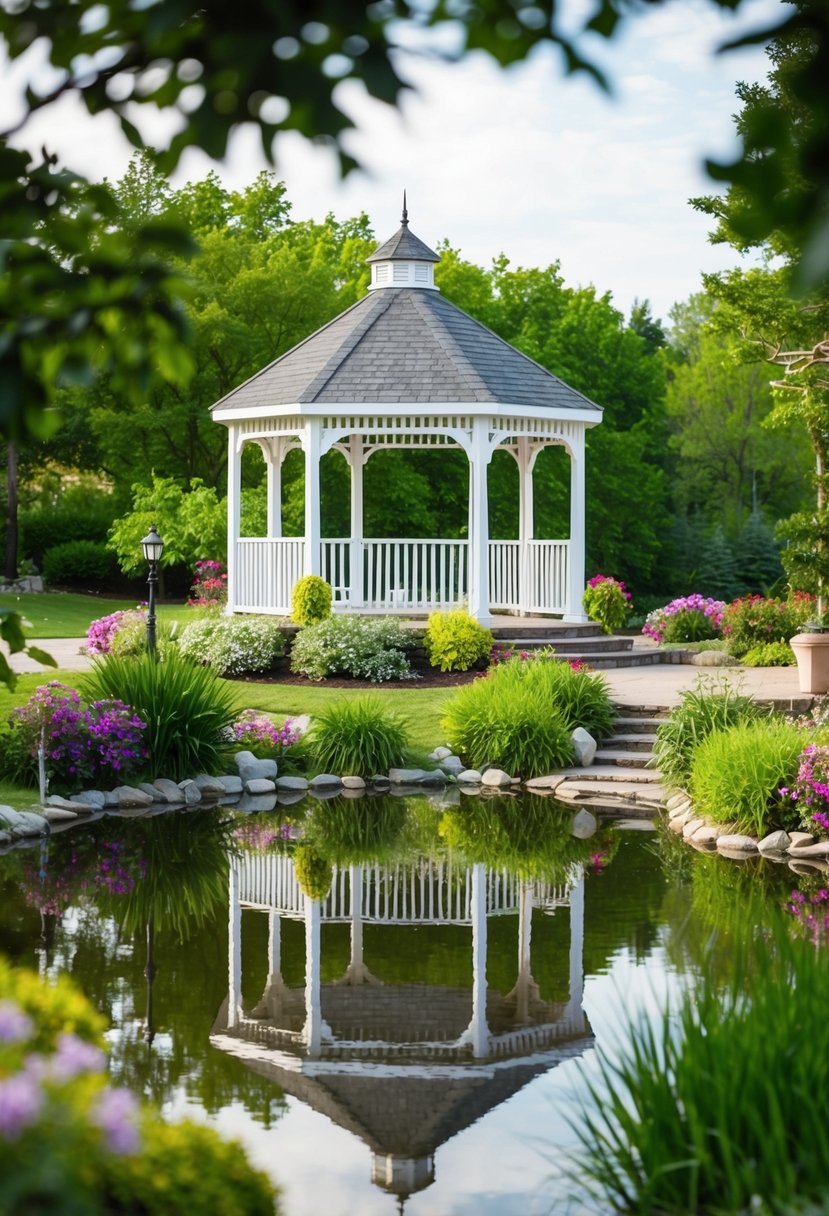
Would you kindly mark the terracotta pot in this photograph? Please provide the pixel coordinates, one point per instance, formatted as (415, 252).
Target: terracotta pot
(812, 653)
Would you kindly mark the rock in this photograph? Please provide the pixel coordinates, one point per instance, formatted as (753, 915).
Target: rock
(380, 781)
(301, 724)
(244, 757)
(325, 781)
(110, 798)
(549, 783)
(775, 842)
(252, 803)
(805, 851)
(68, 804)
(676, 824)
(707, 834)
(684, 817)
(94, 800)
(128, 795)
(736, 843)
(231, 783)
(152, 791)
(209, 787)
(681, 808)
(324, 793)
(168, 791)
(29, 824)
(356, 792)
(290, 797)
(453, 765)
(435, 776)
(584, 747)
(800, 838)
(254, 770)
(677, 801)
(58, 814)
(260, 785)
(191, 792)
(496, 778)
(5, 838)
(808, 869)
(291, 785)
(353, 783)
(584, 825)
(469, 776)
(405, 776)
(8, 816)
(714, 658)
(692, 826)
(440, 753)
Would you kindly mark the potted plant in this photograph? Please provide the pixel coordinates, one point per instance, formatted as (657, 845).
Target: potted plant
(806, 562)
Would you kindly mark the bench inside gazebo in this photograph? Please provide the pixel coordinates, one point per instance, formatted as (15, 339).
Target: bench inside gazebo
(404, 368)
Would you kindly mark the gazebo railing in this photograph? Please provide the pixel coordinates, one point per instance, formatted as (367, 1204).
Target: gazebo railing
(398, 576)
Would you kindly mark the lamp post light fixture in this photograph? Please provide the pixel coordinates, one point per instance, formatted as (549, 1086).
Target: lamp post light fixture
(153, 547)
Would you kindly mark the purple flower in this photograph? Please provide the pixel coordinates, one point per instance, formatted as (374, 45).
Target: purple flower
(15, 1025)
(74, 1056)
(21, 1100)
(116, 1114)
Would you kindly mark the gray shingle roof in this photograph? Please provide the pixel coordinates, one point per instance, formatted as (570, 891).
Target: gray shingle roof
(405, 344)
(403, 246)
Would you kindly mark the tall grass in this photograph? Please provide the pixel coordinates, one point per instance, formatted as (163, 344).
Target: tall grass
(715, 1107)
(708, 706)
(188, 709)
(736, 773)
(358, 738)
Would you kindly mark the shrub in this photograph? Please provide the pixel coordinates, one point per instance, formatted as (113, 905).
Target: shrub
(710, 705)
(209, 589)
(754, 621)
(581, 696)
(189, 710)
(234, 645)
(102, 632)
(258, 734)
(456, 641)
(358, 738)
(80, 514)
(736, 773)
(79, 563)
(769, 654)
(368, 649)
(691, 618)
(313, 871)
(78, 1144)
(808, 794)
(311, 600)
(509, 722)
(607, 601)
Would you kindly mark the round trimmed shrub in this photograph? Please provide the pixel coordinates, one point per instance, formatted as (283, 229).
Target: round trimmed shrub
(373, 648)
(311, 600)
(313, 871)
(233, 645)
(79, 563)
(456, 641)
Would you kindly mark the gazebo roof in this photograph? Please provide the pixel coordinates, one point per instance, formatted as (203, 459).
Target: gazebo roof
(405, 344)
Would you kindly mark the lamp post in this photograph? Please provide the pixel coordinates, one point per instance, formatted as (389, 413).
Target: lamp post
(153, 547)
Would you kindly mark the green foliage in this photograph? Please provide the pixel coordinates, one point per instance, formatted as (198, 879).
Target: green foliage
(758, 555)
(311, 600)
(710, 705)
(11, 632)
(313, 871)
(79, 563)
(606, 601)
(191, 522)
(509, 719)
(718, 567)
(355, 833)
(702, 1111)
(581, 697)
(233, 645)
(370, 648)
(16, 762)
(188, 709)
(805, 554)
(736, 773)
(689, 625)
(456, 641)
(753, 621)
(769, 654)
(55, 1008)
(358, 738)
(54, 523)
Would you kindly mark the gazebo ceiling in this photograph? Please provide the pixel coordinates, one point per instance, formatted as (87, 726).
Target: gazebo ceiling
(408, 345)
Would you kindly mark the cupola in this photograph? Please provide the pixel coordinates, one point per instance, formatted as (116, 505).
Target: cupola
(403, 260)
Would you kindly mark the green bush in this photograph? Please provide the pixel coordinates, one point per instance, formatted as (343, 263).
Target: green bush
(456, 641)
(706, 1108)
(311, 600)
(736, 774)
(371, 648)
(689, 625)
(581, 696)
(709, 705)
(607, 601)
(72, 518)
(358, 738)
(189, 709)
(79, 563)
(17, 764)
(313, 871)
(770, 654)
(509, 722)
(234, 645)
(754, 621)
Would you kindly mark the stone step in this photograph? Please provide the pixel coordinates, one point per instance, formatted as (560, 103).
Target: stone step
(650, 712)
(512, 627)
(649, 796)
(626, 658)
(571, 646)
(634, 742)
(637, 726)
(609, 772)
(621, 757)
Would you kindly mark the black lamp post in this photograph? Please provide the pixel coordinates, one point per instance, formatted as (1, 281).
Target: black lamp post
(153, 546)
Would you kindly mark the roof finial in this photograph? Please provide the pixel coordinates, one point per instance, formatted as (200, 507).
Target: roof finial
(405, 218)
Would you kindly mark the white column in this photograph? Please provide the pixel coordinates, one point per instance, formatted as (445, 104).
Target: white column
(526, 521)
(355, 560)
(478, 1027)
(274, 452)
(479, 535)
(575, 1013)
(575, 592)
(355, 882)
(234, 511)
(311, 445)
(274, 946)
(313, 1006)
(234, 950)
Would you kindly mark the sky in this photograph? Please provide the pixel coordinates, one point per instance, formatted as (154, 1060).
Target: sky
(525, 162)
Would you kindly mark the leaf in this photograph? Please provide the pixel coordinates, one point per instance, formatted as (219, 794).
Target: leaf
(40, 656)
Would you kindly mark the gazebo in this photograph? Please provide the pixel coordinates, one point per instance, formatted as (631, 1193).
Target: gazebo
(404, 368)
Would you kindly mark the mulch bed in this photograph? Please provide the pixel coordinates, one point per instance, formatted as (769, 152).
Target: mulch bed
(429, 677)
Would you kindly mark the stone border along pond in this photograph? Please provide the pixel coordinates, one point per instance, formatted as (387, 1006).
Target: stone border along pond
(258, 787)
(795, 848)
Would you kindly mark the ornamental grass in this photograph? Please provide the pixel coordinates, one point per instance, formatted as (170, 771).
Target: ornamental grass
(710, 705)
(358, 738)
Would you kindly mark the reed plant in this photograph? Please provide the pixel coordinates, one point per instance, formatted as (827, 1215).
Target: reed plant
(706, 1109)
(710, 705)
(736, 774)
(359, 738)
(189, 710)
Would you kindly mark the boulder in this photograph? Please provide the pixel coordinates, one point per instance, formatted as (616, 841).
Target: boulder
(58, 814)
(152, 791)
(8, 817)
(440, 753)
(251, 803)
(584, 825)
(129, 796)
(584, 747)
(301, 724)
(5, 839)
(231, 783)
(405, 776)
(325, 781)
(191, 792)
(806, 851)
(677, 800)
(260, 785)
(707, 834)
(692, 826)
(544, 784)
(736, 843)
(29, 824)
(110, 798)
(291, 785)
(253, 770)
(353, 783)
(435, 776)
(94, 800)
(380, 781)
(496, 778)
(69, 804)
(775, 842)
(452, 765)
(209, 787)
(469, 776)
(800, 838)
(714, 658)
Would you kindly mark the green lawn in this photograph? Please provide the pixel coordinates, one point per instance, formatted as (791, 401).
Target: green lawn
(63, 614)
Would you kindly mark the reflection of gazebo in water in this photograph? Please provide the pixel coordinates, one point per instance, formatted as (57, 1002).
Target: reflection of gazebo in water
(402, 1066)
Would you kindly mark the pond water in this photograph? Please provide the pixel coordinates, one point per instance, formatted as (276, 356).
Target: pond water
(413, 1036)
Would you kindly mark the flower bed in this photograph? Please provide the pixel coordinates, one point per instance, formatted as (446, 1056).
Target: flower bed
(690, 618)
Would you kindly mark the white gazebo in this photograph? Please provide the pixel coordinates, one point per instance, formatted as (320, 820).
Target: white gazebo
(404, 368)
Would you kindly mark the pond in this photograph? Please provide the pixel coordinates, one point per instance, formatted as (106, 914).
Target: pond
(411, 1038)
